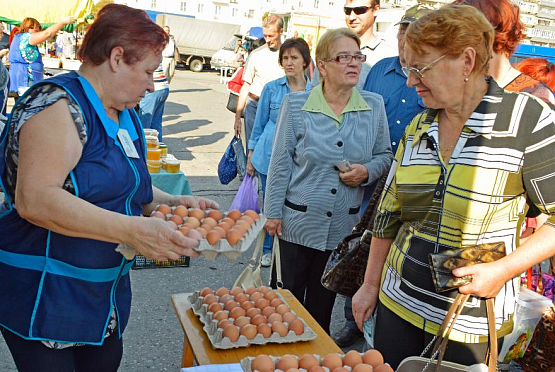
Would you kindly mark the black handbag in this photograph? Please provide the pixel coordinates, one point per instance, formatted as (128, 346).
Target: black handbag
(232, 101)
(346, 266)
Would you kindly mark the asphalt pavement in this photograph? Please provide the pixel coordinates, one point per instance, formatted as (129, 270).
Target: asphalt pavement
(197, 130)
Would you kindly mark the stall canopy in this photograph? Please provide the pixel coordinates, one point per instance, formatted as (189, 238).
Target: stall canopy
(47, 12)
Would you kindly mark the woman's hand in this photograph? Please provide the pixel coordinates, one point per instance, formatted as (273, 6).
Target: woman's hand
(273, 226)
(364, 303)
(250, 167)
(158, 240)
(68, 20)
(357, 175)
(193, 202)
(487, 279)
(237, 127)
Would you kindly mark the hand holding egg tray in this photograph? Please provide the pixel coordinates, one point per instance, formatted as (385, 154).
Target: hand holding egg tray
(216, 335)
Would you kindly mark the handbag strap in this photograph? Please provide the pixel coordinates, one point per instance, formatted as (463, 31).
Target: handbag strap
(277, 259)
(256, 258)
(367, 219)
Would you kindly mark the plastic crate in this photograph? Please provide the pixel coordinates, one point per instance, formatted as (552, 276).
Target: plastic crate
(141, 262)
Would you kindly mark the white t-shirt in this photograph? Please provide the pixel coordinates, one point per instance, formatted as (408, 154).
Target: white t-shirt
(262, 67)
(169, 50)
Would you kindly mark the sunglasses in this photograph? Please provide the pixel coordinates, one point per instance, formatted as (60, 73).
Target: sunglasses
(357, 9)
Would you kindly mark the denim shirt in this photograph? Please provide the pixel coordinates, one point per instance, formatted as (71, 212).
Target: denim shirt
(264, 128)
(401, 102)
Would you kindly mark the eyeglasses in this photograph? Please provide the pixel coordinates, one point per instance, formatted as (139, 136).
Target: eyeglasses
(347, 58)
(420, 72)
(357, 9)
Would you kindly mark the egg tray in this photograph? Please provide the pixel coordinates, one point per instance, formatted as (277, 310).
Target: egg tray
(231, 252)
(219, 342)
(246, 363)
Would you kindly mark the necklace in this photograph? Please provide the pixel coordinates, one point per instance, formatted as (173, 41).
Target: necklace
(444, 149)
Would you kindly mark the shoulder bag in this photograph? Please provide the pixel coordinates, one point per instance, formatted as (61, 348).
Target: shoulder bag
(251, 277)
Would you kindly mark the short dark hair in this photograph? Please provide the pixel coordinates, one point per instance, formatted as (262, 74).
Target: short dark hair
(113, 28)
(295, 43)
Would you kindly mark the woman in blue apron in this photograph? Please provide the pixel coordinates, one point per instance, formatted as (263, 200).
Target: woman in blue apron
(73, 168)
(26, 67)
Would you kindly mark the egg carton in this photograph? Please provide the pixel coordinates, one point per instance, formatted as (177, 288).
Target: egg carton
(247, 362)
(219, 342)
(231, 252)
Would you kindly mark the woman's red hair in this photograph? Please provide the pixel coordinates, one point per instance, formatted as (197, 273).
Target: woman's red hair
(540, 69)
(505, 19)
(120, 25)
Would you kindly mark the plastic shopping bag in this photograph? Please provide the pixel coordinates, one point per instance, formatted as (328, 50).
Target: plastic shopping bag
(227, 168)
(241, 159)
(247, 196)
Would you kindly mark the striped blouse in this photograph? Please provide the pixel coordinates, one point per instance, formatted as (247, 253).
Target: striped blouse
(504, 154)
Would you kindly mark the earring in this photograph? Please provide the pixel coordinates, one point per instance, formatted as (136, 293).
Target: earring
(466, 80)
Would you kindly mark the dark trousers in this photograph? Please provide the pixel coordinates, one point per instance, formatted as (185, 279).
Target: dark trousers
(35, 356)
(301, 270)
(398, 339)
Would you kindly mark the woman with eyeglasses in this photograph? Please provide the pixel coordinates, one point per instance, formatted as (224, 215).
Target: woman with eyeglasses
(329, 143)
(461, 177)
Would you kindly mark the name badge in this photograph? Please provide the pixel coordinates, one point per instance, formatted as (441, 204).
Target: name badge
(127, 144)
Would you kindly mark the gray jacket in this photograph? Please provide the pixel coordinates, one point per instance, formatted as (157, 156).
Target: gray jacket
(303, 187)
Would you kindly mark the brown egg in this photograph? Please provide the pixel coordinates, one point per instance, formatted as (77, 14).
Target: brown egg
(209, 299)
(222, 291)
(373, 357)
(286, 362)
(307, 361)
(236, 312)
(258, 319)
(158, 214)
(249, 331)
(228, 220)
(240, 228)
(202, 232)
(332, 361)
(262, 363)
(225, 226)
(275, 302)
(184, 230)
(210, 221)
(383, 368)
(241, 297)
(234, 214)
(206, 291)
(215, 214)
(236, 290)
(215, 307)
(193, 222)
(256, 296)
(224, 323)
(213, 237)
(363, 367)
(172, 224)
(176, 219)
(288, 317)
(275, 317)
(252, 214)
(225, 298)
(351, 359)
(270, 296)
(293, 370)
(268, 310)
(340, 369)
(280, 329)
(250, 290)
(263, 289)
(181, 211)
(220, 230)
(232, 332)
(252, 312)
(241, 321)
(247, 305)
(164, 208)
(196, 213)
(282, 309)
(206, 227)
(262, 303)
(316, 369)
(297, 326)
(229, 305)
(247, 219)
(234, 236)
(264, 329)
(221, 315)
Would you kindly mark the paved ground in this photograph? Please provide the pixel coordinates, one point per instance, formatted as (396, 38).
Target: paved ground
(197, 129)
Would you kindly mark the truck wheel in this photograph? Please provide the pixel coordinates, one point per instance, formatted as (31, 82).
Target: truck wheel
(195, 65)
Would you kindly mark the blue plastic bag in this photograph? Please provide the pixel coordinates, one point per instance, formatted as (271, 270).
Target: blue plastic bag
(247, 196)
(227, 168)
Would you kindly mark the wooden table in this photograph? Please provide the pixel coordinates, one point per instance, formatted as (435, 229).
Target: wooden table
(198, 348)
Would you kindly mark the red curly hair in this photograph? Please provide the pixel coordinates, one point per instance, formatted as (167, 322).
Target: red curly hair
(540, 69)
(504, 16)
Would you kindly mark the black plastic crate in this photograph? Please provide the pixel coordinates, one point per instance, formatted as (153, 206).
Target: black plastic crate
(142, 262)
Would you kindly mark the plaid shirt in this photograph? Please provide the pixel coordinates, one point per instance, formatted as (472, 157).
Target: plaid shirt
(505, 154)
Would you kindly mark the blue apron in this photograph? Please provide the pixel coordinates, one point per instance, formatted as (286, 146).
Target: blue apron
(62, 288)
(18, 67)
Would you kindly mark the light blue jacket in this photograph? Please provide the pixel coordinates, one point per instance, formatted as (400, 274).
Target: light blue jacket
(264, 128)
(303, 189)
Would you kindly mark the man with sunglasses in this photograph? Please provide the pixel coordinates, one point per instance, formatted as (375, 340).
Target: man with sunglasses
(387, 78)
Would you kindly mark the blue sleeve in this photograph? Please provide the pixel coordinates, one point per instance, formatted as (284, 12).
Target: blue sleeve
(262, 116)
